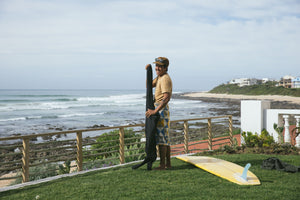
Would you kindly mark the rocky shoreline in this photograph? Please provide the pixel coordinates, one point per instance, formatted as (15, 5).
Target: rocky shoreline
(236, 101)
(232, 106)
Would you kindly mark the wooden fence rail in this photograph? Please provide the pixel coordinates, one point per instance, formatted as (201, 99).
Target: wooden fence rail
(28, 161)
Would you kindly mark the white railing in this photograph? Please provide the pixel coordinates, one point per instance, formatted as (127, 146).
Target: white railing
(38, 154)
(257, 115)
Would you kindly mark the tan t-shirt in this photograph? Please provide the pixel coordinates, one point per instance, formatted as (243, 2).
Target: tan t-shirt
(163, 84)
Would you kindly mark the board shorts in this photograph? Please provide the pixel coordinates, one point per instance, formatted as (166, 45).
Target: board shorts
(163, 125)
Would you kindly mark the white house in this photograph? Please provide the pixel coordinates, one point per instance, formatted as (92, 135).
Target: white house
(286, 81)
(243, 81)
(296, 82)
(264, 80)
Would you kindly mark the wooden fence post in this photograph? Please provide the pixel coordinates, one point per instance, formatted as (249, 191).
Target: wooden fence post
(79, 150)
(186, 137)
(25, 160)
(209, 134)
(230, 130)
(121, 150)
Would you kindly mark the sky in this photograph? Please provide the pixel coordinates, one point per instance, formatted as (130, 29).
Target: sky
(99, 44)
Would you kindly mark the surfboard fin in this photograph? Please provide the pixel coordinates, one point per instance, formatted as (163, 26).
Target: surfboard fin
(244, 175)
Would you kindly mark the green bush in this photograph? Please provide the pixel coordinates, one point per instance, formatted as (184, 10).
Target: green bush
(110, 142)
(40, 172)
(265, 139)
(108, 145)
(285, 148)
(253, 140)
(132, 153)
(229, 149)
(64, 169)
(135, 152)
(250, 139)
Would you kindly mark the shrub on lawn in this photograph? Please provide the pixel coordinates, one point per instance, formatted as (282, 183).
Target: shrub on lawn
(254, 140)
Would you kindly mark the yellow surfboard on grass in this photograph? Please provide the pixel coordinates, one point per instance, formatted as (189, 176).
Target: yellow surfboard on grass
(225, 169)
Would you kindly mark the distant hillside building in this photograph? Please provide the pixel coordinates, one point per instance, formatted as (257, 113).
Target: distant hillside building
(296, 82)
(286, 81)
(244, 81)
(264, 80)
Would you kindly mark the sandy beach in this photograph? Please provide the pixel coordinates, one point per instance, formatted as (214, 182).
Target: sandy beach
(294, 100)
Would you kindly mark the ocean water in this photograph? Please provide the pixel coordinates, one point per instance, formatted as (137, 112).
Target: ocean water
(38, 111)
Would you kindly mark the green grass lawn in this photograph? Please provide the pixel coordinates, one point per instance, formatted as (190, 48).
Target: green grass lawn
(184, 181)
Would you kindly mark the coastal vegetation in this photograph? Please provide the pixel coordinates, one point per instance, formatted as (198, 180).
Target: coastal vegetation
(262, 140)
(257, 144)
(267, 88)
(109, 144)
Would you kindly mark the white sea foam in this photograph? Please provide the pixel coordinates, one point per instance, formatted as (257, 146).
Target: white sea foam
(43, 106)
(51, 116)
(132, 98)
(13, 119)
(80, 115)
(28, 111)
(180, 102)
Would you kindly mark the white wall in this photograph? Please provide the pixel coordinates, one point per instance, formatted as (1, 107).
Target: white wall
(252, 115)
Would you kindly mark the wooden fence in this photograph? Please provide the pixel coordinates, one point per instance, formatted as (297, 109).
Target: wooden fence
(31, 153)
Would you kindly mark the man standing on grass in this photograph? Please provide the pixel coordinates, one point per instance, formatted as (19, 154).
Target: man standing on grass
(163, 93)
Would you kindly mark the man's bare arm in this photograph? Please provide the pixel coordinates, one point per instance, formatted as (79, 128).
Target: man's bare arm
(163, 103)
